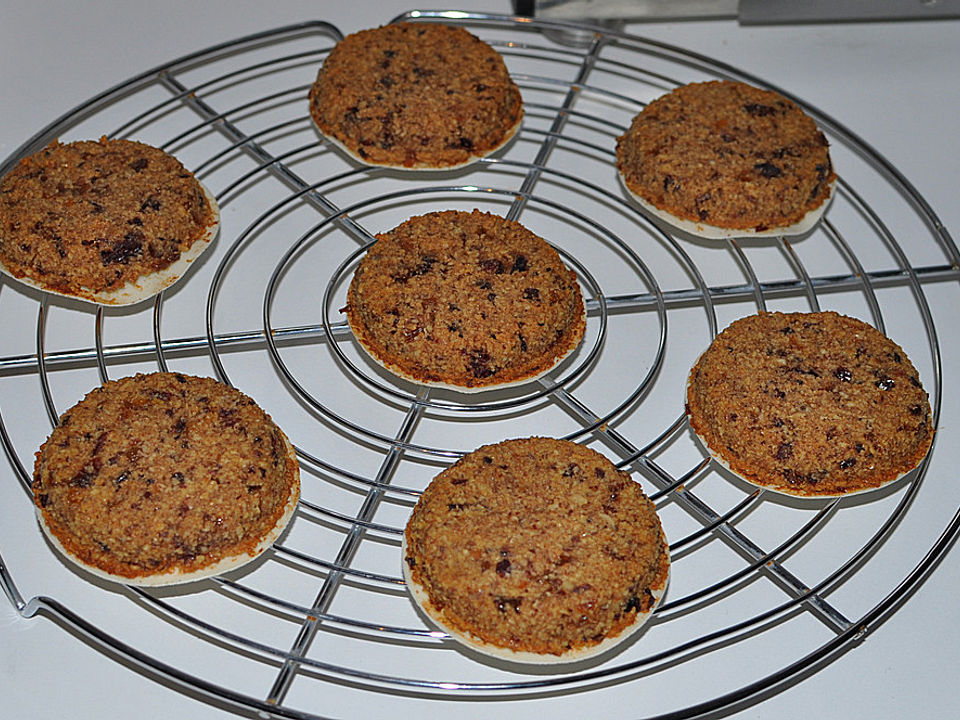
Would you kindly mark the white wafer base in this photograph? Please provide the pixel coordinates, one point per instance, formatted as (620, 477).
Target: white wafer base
(424, 167)
(783, 491)
(713, 232)
(422, 601)
(401, 373)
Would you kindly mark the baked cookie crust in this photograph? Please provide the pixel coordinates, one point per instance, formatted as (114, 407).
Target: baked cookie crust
(111, 222)
(415, 96)
(724, 159)
(809, 404)
(465, 300)
(164, 478)
(536, 550)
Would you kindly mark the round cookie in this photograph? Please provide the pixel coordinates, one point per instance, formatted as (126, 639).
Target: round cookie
(536, 550)
(164, 478)
(111, 222)
(725, 159)
(465, 300)
(415, 96)
(809, 404)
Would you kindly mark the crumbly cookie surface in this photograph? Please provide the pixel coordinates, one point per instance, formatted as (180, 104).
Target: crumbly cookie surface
(163, 474)
(85, 218)
(415, 96)
(727, 154)
(466, 300)
(536, 545)
(810, 404)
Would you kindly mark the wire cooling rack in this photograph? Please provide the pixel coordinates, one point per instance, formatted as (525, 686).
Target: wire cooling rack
(764, 588)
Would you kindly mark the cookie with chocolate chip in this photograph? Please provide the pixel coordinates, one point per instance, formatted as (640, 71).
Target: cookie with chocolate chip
(536, 550)
(465, 300)
(164, 478)
(415, 96)
(809, 404)
(111, 222)
(726, 159)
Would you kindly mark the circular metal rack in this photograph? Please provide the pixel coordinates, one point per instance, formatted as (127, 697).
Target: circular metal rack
(763, 588)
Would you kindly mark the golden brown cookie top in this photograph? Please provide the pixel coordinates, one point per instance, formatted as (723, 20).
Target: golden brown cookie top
(162, 478)
(536, 550)
(809, 404)
(415, 96)
(724, 158)
(108, 221)
(466, 300)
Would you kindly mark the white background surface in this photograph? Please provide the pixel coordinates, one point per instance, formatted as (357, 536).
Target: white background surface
(893, 84)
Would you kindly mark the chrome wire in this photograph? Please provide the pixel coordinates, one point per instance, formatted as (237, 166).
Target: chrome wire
(674, 488)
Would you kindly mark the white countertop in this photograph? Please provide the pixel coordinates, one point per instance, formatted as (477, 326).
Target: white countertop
(894, 84)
